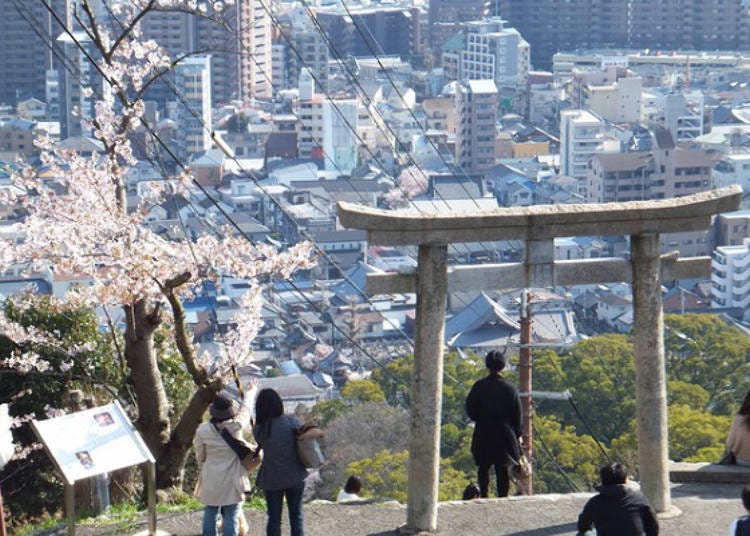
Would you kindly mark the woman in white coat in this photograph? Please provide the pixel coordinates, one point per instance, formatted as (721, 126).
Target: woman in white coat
(223, 480)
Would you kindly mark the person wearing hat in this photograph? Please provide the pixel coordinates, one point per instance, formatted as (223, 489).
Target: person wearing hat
(223, 480)
(495, 407)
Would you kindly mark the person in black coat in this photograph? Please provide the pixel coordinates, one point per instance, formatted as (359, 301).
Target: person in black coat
(618, 510)
(495, 406)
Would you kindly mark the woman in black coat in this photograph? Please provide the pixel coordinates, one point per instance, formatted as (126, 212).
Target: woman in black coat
(495, 406)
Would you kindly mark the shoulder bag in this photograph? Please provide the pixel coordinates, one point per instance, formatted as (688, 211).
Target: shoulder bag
(249, 458)
(308, 448)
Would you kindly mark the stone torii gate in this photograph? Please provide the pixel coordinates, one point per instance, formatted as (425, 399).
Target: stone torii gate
(538, 225)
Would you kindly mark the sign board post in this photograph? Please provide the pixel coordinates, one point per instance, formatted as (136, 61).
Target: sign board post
(6, 453)
(93, 442)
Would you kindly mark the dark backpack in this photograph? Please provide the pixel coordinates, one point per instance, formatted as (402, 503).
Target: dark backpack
(743, 526)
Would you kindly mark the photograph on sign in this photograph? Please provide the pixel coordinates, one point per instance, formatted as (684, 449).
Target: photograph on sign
(92, 442)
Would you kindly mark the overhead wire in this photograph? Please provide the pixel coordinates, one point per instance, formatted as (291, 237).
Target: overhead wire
(355, 343)
(369, 103)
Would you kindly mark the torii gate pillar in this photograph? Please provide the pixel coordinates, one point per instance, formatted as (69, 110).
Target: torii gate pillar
(650, 371)
(427, 390)
(643, 221)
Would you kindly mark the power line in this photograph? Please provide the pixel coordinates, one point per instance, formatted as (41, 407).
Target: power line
(174, 157)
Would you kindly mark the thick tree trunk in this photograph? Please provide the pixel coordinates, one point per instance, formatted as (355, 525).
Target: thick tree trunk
(171, 463)
(151, 399)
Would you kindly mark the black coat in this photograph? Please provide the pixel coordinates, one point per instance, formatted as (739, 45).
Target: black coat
(494, 405)
(619, 511)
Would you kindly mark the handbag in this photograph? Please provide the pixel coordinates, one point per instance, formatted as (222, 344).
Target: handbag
(249, 458)
(308, 448)
(728, 458)
(519, 469)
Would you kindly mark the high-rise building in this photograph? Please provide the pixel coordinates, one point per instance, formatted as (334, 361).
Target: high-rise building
(27, 30)
(552, 26)
(240, 52)
(476, 106)
(193, 80)
(76, 103)
(384, 30)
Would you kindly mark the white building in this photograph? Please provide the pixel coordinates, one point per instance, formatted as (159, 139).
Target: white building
(476, 105)
(328, 128)
(488, 51)
(680, 113)
(732, 169)
(340, 143)
(730, 276)
(193, 81)
(582, 135)
(619, 102)
(255, 49)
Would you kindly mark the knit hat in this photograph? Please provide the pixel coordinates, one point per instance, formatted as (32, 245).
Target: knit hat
(223, 407)
(495, 360)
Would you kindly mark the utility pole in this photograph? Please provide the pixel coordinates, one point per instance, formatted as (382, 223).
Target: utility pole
(524, 381)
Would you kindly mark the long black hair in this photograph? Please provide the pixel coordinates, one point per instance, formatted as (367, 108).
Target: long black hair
(268, 406)
(745, 409)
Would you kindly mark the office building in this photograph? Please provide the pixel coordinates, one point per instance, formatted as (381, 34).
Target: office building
(445, 18)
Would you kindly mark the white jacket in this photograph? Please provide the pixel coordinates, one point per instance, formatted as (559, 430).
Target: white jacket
(222, 480)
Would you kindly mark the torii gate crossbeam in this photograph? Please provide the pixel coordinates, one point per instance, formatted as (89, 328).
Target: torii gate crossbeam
(538, 225)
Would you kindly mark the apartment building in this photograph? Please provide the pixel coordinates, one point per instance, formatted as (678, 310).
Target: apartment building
(552, 26)
(240, 52)
(26, 59)
(476, 105)
(618, 102)
(193, 81)
(730, 277)
(388, 30)
(487, 50)
(445, 18)
(582, 136)
(328, 128)
(732, 228)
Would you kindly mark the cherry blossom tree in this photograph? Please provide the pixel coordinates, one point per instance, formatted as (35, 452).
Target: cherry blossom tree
(411, 182)
(89, 231)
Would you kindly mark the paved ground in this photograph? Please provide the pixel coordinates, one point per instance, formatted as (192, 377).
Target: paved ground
(707, 509)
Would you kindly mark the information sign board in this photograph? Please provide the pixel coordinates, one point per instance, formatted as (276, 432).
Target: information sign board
(91, 442)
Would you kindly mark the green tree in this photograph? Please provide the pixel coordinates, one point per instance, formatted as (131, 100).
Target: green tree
(458, 376)
(91, 367)
(600, 374)
(385, 476)
(695, 434)
(701, 349)
(362, 392)
(564, 461)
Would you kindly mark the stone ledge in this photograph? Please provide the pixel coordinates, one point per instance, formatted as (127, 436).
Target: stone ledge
(708, 472)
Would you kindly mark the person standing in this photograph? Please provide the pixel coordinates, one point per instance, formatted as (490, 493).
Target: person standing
(495, 406)
(738, 441)
(223, 480)
(281, 473)
(618, 509)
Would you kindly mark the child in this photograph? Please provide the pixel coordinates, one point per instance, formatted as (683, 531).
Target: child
(742, 525)
(351, 490)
